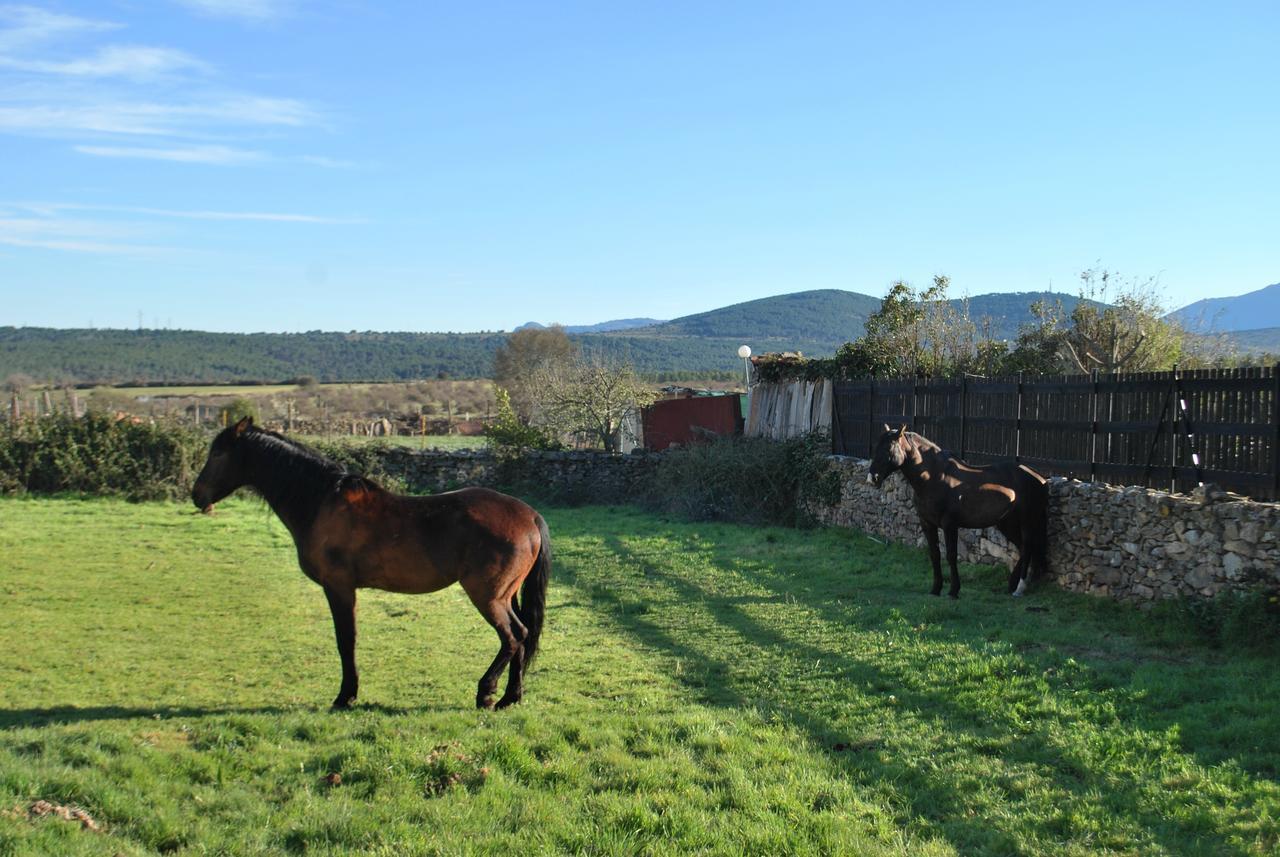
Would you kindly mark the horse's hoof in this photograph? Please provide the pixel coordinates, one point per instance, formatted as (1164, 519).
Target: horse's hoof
(1017, 593)
(954, 596)
(506, 701)
(485, 702)
(342, 703)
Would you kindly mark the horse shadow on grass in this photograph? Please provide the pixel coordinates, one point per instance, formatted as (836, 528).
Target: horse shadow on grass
(63, 715)
(935, 801)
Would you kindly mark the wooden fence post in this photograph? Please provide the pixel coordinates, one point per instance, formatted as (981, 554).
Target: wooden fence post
(1093, 428)
(1173, 430)
(1017, 421)
(964, 408)
(1275, 418)
(871, 417)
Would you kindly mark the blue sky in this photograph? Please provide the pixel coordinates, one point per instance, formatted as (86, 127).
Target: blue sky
(286, 165)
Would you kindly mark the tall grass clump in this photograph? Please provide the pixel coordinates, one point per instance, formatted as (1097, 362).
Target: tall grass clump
(1232, 620)
(751, 480)
(99, 455)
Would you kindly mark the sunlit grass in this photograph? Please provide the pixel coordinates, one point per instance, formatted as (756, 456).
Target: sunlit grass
(702, 688)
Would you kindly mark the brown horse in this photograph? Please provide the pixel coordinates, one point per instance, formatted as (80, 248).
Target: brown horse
(350, 533)
(950, 494)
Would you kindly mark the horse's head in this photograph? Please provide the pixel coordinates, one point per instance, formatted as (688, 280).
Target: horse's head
(891, 452)
(225, 471)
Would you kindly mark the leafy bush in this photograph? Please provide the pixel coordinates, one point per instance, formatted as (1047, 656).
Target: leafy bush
(98, 454)
(510, 437)
(751, 480)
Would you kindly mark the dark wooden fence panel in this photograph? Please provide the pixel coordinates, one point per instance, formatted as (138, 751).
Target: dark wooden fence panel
(1169, 430)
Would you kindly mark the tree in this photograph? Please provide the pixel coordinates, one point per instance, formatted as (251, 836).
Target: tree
(591, 397)
(510, 437)
(1040, 345)
(526, 355)
(912, 334)
(1119, 326)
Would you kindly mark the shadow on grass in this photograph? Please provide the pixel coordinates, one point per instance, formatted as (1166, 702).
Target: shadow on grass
(934, 795)
(19, 718)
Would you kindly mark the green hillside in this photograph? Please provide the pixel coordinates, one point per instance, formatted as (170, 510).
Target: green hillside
(814, 322)
(825, 316)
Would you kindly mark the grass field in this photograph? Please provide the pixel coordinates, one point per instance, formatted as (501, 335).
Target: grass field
(448, 442)
(702, 689)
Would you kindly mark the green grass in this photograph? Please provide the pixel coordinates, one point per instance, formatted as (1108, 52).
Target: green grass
(702, 689)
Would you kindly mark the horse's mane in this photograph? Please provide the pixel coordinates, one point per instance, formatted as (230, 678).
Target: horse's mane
(291, 475)
(922, 442)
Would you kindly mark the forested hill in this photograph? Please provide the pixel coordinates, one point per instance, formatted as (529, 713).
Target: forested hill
(827, 318)
(188, 356)
(815, 323)
(114, 356)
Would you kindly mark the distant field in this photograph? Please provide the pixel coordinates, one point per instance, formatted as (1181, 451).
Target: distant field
(708, 689)
(431, 441)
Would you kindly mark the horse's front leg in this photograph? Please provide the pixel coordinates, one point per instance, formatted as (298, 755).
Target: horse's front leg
(935, 556)
(952, 533)
(342, 603)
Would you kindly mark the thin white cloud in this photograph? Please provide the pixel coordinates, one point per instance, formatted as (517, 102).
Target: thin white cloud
(135, 61)
(149, 118)
(245, 10)
(23, 27)
(76, 236)
(109, 98)
(52, 208)
(209, 154)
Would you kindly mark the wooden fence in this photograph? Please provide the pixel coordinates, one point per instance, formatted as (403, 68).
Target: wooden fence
(780, 411)
(1169, 430)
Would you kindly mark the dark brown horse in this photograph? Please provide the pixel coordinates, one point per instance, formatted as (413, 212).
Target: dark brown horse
(350, 533)
(950, 494)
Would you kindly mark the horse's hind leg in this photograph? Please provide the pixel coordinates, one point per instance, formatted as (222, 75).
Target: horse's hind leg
(515, 672)
(935, 555)
(953, 549)
(1018, 575)
(500, 616)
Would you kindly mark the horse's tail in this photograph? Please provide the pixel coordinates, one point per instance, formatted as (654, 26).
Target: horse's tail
(533, 594)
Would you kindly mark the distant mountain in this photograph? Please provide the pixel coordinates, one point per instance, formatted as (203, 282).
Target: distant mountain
(822, 320)
(1265, 340)
(1251, 311)
(826, 316)
(602, 327)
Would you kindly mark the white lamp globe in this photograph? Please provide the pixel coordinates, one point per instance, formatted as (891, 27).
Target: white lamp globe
(744, 351)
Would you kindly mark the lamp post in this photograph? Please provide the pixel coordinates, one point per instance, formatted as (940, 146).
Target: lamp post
(744, 351)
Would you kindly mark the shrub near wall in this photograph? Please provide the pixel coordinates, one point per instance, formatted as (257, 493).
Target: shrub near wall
(97, 454)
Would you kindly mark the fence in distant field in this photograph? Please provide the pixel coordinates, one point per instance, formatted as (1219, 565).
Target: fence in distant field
(1167, 430)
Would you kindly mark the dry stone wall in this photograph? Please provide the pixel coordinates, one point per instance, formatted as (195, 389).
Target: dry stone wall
(588, 477)
(1128, 543)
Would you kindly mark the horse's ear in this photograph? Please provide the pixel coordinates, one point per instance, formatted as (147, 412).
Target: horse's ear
(244, 425)
(887, 427)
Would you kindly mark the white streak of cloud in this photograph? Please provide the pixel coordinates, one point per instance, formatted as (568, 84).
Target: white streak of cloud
(75, 236)
(135, 61)
(50, 209)
(211, 154)
(29, 26)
